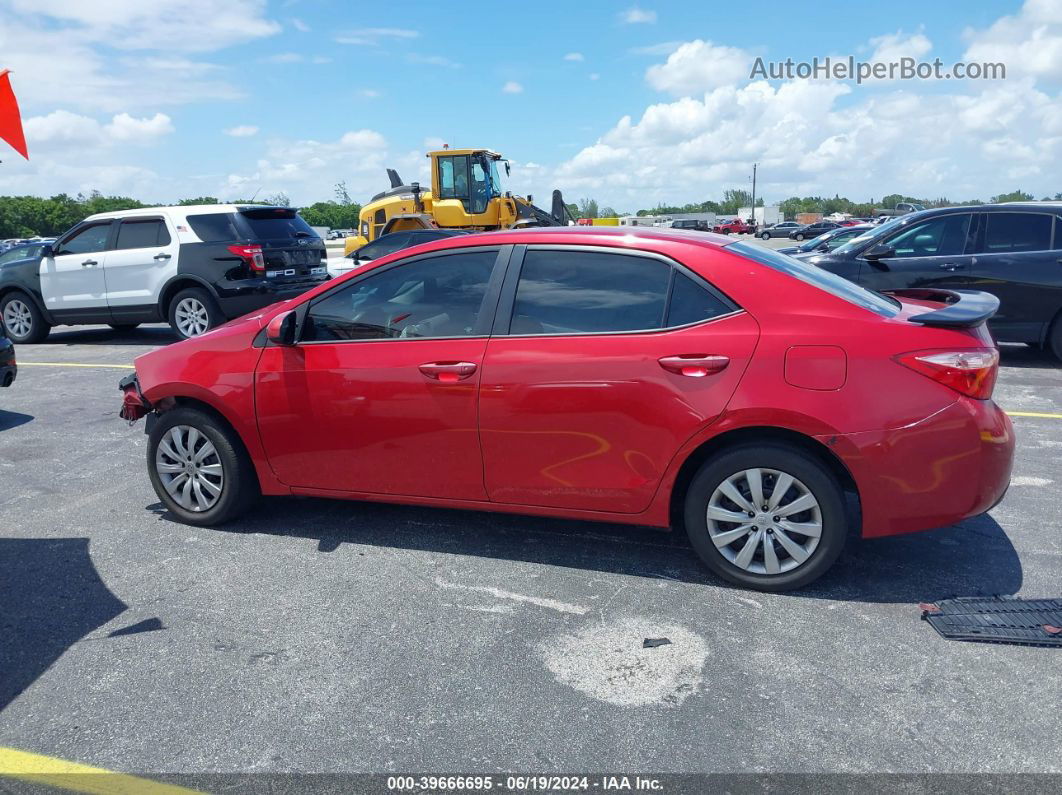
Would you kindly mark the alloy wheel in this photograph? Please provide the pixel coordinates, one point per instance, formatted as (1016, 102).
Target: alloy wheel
(764, 521)
(17, 318)
(189, 468)
(192, 317)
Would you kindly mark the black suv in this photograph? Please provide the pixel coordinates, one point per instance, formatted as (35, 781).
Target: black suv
(1013, 251)
(194, 266)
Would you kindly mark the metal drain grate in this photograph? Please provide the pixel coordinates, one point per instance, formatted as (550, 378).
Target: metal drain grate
(997, 619)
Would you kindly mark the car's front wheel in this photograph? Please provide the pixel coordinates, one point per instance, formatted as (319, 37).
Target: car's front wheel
(199, 468)
(194, 311)
(765, 236)
(768, 517)
(798, 236)
(22, 321)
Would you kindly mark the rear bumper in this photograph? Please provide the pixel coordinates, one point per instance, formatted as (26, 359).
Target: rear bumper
(948, 467)
(238, 297)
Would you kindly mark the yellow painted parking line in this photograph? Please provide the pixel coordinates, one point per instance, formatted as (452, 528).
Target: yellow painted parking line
(48, 770)
(76, 364)
(1034, 414)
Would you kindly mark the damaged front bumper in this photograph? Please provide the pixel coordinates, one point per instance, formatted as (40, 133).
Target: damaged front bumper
(134, 404)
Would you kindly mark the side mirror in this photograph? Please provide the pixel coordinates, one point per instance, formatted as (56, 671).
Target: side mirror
(879, 251)
(47, 251)
(281, 329)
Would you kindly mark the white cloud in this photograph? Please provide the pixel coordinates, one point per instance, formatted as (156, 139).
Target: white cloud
(433, 143)
(242, 131)
(1029, 42)
(636, 16)
(63, 130)
(299, 25)
(321, 59)
(369, 93)
(663, 48)
(284, 57)
(894, 46)
(512, 87)
(373, 37)
(574, 56)
(699, 66)
(432, 60)
(594, 76)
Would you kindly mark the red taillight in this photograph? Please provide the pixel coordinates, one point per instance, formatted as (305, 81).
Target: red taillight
(971, 372)
(252, 255)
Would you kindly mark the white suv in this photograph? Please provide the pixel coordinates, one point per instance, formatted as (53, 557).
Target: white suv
(194, 266)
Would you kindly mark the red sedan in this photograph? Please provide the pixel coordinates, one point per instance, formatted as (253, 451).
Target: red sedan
(647, 376)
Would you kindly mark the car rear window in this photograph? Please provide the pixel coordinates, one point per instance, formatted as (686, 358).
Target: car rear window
(1017, 232)
(276, 223)
(214, 227)
(817, 277)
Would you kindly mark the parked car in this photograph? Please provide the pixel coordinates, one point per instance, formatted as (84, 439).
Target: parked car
(780, 229)
(812, 230)
(827, 241)
(22, 251)
(690, 223)
(195, 266)
(8, 366)
(633, 375)
(735, 227)
(1012, 251)
(387, 244)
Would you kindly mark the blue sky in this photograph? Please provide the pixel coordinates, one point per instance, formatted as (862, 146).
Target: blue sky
(137, 97)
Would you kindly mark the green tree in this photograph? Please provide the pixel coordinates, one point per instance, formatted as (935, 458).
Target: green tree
(198, 200)
(588, 208)
(1013, 196)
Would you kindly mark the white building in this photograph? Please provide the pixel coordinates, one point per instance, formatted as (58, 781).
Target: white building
(764, 215)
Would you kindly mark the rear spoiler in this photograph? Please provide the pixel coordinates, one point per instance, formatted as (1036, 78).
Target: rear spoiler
(965, 308)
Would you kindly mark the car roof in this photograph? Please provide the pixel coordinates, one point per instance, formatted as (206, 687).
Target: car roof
(184, 210)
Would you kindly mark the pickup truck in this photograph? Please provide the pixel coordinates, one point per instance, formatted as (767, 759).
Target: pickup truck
(737, 227)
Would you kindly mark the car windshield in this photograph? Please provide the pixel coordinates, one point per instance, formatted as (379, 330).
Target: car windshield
(817, 277)
(815, 242)
(857, 242)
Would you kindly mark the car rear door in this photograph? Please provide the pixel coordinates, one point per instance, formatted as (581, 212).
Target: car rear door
(72, 281)
(602, 364)
(142, 260)
(936, 252)
(1019, 259)
(380, 394)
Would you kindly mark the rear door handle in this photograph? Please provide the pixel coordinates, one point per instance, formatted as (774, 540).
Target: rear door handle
(163, 256)
(448, 372)
(695, 365)
(88, 262)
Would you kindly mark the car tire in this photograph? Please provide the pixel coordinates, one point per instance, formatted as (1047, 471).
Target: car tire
(223, 484)
(21, 320)
(765, 236)
(798, 236)
(193, 311)
(1054, 339)
(812, 484)
(124, 326)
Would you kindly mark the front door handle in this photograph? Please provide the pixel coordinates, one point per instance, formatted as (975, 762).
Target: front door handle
(951, 266)
(162, 256)
(88, 262)
(695, 365)
(448, 372)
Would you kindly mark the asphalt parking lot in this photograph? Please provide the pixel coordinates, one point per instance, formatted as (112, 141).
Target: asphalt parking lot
(317, 636)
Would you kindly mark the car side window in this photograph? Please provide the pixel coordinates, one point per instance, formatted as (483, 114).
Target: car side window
(149, 233)
(571, 292)
(439, 296)
(690, 302)
(388, 244)
(939, 237)
(89, 240)
(1014, 232)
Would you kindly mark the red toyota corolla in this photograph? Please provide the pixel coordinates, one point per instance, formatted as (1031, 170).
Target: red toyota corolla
(652, 377)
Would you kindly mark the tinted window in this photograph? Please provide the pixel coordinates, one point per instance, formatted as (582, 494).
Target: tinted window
(21, 252)
(940, 237)
(568, 292)
(214, 227)
(142, 234)
(275, 223)
(88, 240)
(388, 244)
(1017, 232)
(433, 297)
(823, 279)
(690, 302)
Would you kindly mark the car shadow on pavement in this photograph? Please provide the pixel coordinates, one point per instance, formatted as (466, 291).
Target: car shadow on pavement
(51, 597)
(1018, 355)
(151, 336)
(968, 559)
(12, 419)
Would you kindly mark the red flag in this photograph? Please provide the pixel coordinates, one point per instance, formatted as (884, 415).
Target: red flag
(10, 120)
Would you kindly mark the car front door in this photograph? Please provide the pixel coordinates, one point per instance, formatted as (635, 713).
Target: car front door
(1019, 260)
(380, 393)
(937, 252)
(591, 381)
(142, 260)
(72, 280)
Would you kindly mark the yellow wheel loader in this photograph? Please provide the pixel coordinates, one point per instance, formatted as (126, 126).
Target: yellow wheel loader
(467, 192)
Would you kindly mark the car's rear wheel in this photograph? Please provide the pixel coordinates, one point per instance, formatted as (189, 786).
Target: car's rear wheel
(1054, 341)
(193, 311)
(765, 236)
(199, 468)
(22, 320)
(768, 517)
(798, 236)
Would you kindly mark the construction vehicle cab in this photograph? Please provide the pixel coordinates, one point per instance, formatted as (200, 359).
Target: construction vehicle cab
(468, 191)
